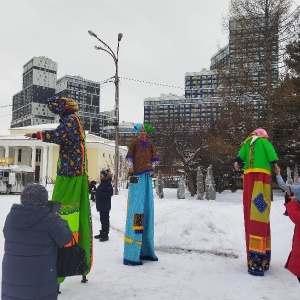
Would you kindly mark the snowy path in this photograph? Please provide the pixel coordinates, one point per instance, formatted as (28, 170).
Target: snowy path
(180, 274)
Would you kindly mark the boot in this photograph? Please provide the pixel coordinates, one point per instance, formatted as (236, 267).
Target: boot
(58, 291)
(99, 235)
(104, 237)
(84, 280)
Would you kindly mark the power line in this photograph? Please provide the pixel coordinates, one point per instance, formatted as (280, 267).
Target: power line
(154, 83)
(7, 114)
(109, 82)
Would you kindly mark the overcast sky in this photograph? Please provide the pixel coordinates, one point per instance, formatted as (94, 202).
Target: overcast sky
(163, 39)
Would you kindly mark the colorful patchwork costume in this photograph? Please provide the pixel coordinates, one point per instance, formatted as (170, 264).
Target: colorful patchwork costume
(71, 184)
(139, 234)
(257, 153)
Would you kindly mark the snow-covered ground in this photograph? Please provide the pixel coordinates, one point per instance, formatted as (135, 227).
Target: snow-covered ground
(201, 251)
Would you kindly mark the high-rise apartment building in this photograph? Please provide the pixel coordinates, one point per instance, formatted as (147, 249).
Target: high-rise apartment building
(125, 133)
(220, 59)
(243, 71)
(200, 104)
(176, 110)
(202, 85)
(248, 65)
(39, 83)
(87, 94)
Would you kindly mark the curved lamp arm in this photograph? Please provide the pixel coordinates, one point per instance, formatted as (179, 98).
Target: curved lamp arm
(112, 55)
(110, 50)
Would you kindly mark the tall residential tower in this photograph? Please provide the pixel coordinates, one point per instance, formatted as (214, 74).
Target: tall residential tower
(87, 94)
(39, 83)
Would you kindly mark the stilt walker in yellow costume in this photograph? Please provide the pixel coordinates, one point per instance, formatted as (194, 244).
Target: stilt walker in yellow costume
(258, 154)
(71, 183)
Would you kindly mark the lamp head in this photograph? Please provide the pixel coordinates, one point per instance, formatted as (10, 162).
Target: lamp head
(92, 33)
(120, 35)
(98, 48)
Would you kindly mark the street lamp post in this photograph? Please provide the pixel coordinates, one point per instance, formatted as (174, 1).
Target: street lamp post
(115, 57)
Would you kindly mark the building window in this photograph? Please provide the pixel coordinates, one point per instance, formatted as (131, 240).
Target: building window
(19, 155)
(38, 155)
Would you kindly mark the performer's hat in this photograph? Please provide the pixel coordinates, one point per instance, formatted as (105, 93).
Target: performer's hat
(34, 194)
(105, 172)
(139, 126)
(70, 104)
(260, 132)
(57, 105)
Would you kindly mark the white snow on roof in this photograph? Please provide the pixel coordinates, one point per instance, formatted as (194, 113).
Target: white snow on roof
(37, 127)
(17, 168)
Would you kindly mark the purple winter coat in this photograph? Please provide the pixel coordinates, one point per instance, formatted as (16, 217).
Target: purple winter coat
(32, 236)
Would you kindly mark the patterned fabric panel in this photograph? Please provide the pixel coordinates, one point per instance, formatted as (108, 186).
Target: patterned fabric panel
(69, 136)
(138, 220)
(142, 154)
(261, 202)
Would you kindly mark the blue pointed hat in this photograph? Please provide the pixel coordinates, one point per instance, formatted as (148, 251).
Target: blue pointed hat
(137, 128)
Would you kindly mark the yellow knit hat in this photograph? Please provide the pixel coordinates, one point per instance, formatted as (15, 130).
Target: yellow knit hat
(70, 104)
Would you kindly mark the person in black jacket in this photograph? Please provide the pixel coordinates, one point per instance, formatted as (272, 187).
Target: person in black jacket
(103, 203)
(92, 190)
(32, 236)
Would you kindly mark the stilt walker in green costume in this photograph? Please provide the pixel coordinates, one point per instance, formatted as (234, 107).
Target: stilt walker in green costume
(71, 184)
(258, 155)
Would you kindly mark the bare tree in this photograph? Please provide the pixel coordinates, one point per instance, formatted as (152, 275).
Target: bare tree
(180, 148)
(259, 31)
(286, 104)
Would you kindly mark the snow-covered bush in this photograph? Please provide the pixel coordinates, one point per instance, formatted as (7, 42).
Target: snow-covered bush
(159, 185)
(200, 184)
(289, 179)
(210, 190)
(296, 176)
(181, 189)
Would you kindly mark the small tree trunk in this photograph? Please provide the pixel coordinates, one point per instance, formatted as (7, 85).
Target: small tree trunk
(191, 183)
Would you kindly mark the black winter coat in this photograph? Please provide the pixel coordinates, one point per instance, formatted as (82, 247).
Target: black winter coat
(103, 195)
(32, 236)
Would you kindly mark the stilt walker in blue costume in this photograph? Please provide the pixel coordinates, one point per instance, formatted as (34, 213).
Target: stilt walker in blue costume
(139, 234)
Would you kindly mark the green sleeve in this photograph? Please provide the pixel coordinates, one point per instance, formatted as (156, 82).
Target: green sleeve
(270, 151)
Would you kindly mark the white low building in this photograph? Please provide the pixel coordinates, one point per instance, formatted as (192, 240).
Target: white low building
(43, 157)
